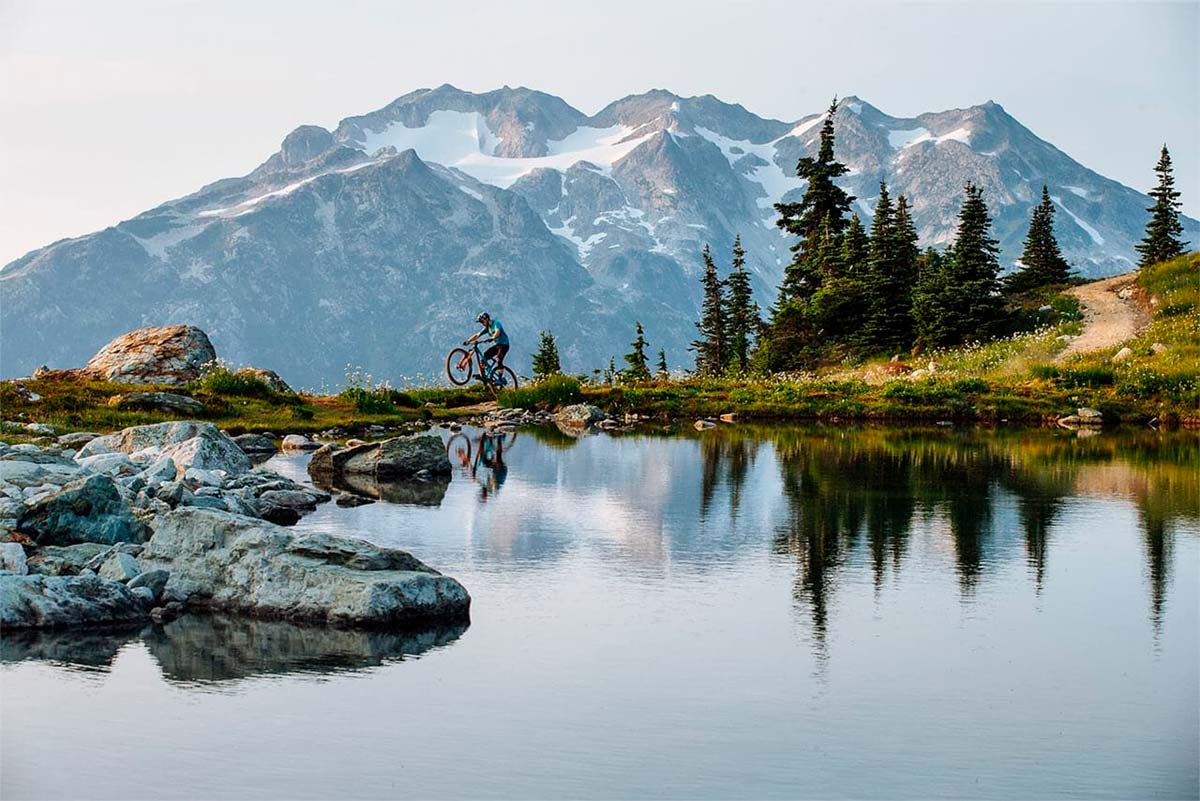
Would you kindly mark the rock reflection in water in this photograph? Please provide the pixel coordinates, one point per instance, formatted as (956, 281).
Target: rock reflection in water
(205, 649)
(409, 492)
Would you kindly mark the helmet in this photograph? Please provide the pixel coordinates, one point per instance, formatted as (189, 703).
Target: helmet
(482, 316)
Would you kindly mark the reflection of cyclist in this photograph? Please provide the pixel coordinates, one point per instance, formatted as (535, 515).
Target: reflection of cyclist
(495, 333)
(491, 453)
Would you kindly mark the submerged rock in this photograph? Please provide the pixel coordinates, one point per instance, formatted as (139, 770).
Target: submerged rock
(46, 601)
(238, 564)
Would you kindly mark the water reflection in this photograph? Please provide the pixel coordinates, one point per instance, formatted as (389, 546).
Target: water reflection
(217, 649)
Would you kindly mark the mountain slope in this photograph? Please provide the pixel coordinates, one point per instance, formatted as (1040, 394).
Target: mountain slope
(376, 243)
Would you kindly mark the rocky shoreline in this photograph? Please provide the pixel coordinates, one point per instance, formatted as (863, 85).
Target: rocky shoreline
(154, 521)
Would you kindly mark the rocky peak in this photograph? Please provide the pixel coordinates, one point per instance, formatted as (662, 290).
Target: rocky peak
(304, 144)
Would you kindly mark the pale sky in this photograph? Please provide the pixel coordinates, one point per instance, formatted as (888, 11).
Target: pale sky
(108, 108)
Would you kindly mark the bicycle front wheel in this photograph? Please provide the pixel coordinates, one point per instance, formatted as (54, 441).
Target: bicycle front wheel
(459, 366)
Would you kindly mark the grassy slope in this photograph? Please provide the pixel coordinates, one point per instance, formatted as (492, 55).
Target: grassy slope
(1012, 379)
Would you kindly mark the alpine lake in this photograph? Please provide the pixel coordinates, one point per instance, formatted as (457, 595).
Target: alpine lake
(745, 612)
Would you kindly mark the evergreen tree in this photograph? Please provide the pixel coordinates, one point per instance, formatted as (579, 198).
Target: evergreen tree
(610, 372)
(712, 346)
(742, 324)
(960, 298)
(662, 373)
(824, 202)
(1162, 240)
(855, 246)
(904, 277)
(638, 369)
(545, 360)
(1042, 263)
(877, 281)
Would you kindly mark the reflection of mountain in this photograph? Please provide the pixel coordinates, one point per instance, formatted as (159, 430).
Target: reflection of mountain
(205, 649)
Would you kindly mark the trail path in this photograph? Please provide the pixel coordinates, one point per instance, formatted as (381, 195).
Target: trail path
(1108, 318)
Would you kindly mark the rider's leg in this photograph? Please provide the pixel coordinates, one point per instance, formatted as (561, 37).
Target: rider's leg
(489, 355)
(501, 352)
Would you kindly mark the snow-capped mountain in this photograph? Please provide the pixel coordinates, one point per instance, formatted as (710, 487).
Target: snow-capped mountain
(376, 243)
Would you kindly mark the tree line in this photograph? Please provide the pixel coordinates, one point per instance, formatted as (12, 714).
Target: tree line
(849, 291)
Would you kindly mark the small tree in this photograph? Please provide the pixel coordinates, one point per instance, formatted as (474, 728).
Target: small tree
(610, 372)
(1162, 240)
(662, 373)
(639, 368)
(545, 360)
(1042, 262)
(711, 347)
(742, 324)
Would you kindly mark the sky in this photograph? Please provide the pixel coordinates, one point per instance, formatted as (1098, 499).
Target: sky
(107, 109)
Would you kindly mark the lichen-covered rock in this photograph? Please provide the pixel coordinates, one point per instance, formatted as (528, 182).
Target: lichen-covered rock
(578, 418)
(189, 443)
(173, 354)
(268, 377)
(38, 601)
(65, 560)
(238, 564)
(88, 510)
(12, 559)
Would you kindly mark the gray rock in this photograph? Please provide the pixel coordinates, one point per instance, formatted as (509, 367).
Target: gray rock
(107, 463)
(77, 439)
(301, 500)
(38, 601)
(299, 442)
(153, 580)
(1088, 414)
(268, 377)
(90, 510)
(255, 444)
(162, 469)
(174, 354)
(143, 594)
(119, 567)
(204, 502)
(578, 418)
(1124, 354)
(66, 560)
(205, 478)
(228, 562)
(12, 559)
(189, 443)
(158, 401)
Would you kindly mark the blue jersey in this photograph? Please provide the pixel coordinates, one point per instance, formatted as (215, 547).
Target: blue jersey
(496, 331)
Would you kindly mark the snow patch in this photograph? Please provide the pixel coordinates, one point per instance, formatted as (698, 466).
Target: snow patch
(584, 246)
(908, 136)
(158, 244)
(470, 192)
(1092, 232)
(463, 140)
(770, 176)
(247, 206)
(1078, 191)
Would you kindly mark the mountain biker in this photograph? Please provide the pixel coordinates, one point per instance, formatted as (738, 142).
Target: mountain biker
(495, 333)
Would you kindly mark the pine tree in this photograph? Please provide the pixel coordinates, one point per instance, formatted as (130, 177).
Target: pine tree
(712, 346)
(855, 246)
(638, 369)
(904, 276)
(741, 311)
(545, 360)
(877, 282)
(960, 298)
(662, 372)
(610, 372)
(1162, 240)
(823, 201)
(1042, 262)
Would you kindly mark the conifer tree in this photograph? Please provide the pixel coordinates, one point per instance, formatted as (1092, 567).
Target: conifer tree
(854, 246)
(960, 299)
(878, 279)
(712, 346)
(741, 311)
(639, 368)
(1162, 240)
(545, 359)
(904, 276)
(823, 200)
(662, 373)
(1042, 262)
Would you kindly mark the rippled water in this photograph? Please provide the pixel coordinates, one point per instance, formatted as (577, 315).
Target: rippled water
(741, 613)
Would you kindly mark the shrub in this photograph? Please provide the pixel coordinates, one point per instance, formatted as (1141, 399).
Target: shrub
(551, 392)
(220, 380)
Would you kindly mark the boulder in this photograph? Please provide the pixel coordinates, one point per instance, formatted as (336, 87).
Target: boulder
(221, 561)
(173, 354)
(578, 418)
(119, 567)
(158, 401)
(299, 442)
(268, 377)
(189, 443)
(255, 444)
(66, 560)
(12, 559)
(153, 580)
(107, 463)
(391, 459)
(162, 469)
(87, 510)
(48, 601)
(1158, 348)
(77, 439)
(1124, 354)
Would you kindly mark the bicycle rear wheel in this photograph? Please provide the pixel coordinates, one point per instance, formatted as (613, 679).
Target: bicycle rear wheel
(459, 366)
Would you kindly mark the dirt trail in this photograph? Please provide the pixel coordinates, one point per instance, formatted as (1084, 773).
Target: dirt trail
(1108, 318)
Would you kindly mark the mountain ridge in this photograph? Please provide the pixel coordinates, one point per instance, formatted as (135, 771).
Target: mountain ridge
(435, 199)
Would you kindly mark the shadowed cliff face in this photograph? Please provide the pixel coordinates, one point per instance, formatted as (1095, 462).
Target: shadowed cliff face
(216, 649)
(377, 243)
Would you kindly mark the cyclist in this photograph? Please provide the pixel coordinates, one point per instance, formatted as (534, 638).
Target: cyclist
(495, 333)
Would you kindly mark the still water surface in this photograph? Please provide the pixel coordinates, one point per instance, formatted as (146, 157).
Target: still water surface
(743, 613)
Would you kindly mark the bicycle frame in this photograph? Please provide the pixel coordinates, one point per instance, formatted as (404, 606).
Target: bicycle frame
(480, 362)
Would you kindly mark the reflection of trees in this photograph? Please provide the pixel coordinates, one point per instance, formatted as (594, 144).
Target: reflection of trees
(725, 458)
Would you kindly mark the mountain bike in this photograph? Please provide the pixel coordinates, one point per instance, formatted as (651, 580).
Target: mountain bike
(461, 368)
